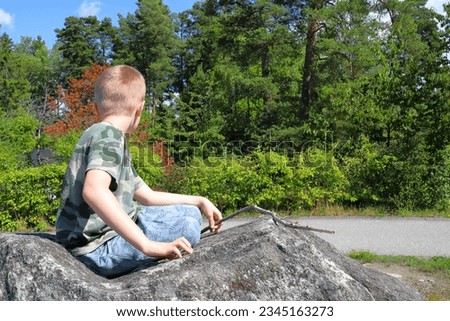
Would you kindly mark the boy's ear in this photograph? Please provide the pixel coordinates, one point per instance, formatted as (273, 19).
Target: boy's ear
(140, 109)
(96, 109)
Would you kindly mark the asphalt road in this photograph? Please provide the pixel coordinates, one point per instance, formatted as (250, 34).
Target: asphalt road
(423, 237)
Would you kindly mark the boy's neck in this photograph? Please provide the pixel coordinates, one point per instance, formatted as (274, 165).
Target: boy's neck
(120, 122)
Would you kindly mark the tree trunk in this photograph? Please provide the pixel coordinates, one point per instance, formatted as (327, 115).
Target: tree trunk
(265, 71)
(311, 38)
(308, 73)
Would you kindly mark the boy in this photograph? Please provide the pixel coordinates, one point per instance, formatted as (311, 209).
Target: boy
(109, 218)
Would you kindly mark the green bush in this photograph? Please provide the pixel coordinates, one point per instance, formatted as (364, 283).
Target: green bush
(29, 198)
(372, 175)
(416, 182)
(425, 181)
(17, 139)
(64, 145)
(267, 179)
(148, 165)
(319, 180)
(220, 180)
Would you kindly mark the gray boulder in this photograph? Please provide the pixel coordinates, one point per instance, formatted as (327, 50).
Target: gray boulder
(256, 261)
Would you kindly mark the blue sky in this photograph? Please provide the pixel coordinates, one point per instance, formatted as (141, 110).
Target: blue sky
(41, 17)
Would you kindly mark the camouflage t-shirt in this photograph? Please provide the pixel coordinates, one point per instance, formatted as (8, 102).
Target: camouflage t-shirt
(102, 147)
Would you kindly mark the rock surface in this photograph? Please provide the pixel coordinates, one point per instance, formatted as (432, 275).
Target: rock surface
(256, 261)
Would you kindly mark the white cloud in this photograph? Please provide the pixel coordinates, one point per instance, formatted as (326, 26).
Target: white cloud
(89, 8)
(436, 4)
(6, 19)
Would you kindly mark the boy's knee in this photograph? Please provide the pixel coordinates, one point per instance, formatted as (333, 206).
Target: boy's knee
(192, 212)
(191, 230)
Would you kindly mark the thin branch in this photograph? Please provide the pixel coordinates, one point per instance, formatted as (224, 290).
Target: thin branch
(275, 218)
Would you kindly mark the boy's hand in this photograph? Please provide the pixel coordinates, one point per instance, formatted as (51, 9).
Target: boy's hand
(172, 250)
(212, 213)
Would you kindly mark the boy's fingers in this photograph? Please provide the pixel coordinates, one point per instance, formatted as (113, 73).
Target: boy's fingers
(176, 254)
(183, 245)
(213, 221)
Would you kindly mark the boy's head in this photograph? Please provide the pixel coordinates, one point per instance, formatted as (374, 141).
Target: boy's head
(119, 90)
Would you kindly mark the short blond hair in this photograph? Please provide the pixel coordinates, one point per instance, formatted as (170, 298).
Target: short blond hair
(119, 90)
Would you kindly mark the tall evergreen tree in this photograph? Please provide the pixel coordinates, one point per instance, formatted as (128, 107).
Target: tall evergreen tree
(14, 85)
(241, 66)
(155, 46)
(399, 101)
(314, 26)
(84, 41)
(147, 40)
(41, 69)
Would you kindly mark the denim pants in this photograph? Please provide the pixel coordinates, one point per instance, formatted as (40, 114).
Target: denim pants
(159, 223)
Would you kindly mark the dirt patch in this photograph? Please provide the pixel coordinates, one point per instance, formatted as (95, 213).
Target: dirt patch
(434, 286)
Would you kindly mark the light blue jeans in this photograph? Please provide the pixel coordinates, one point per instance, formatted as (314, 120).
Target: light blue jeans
(159, 223)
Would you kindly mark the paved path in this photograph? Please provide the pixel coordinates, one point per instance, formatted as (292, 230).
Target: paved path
(424, 237)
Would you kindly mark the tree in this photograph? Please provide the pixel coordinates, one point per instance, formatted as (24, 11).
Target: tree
(14, 86)
(74, 106)
(158, 50)
(314, 26)
(239, 65)
(85, 41)
(41, 69)
(123, 52)
(399, 102)
(149, 43)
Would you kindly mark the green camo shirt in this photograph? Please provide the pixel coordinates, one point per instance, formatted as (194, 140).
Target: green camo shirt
(103, 147)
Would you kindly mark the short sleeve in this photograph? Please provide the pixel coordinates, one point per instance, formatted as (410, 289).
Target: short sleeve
(107, 154)
(137, 180)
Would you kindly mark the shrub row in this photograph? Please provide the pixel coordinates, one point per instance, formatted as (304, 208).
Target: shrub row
(29, 198)
(269, 179)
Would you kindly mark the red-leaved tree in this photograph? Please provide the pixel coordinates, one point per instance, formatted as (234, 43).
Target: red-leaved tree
(74, 106)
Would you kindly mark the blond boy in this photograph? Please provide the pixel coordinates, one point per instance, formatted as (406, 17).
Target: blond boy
(109, 218)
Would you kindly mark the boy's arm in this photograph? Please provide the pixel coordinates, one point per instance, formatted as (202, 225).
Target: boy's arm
(97, 194)
(146, 196)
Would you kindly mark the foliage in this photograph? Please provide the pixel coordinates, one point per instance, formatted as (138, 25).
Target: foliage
(148, 42)
(29, 197)
(39, 65)
(14, 85)
(370, 173)
(268, 179)
(286, 103)
(85, 41)
(148, 164)
(241, 71)
(17, 139)
(75, 105)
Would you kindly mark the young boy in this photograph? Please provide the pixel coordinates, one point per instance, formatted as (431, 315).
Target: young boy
(109, 218)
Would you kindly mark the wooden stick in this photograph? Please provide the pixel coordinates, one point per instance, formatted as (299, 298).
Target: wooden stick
(275, 218)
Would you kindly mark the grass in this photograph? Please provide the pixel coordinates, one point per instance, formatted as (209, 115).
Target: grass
(436, 263)
(438, 268)
(378, 211)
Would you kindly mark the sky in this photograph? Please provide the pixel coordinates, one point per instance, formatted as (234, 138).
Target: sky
(32, 18)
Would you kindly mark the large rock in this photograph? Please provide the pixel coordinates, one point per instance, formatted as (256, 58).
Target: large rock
(256, 261)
